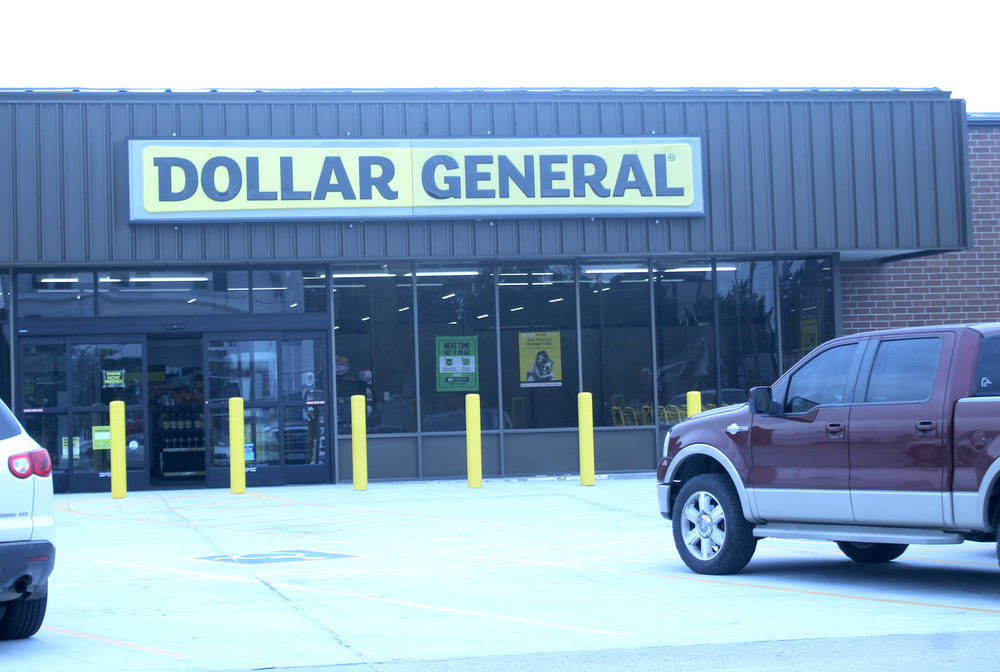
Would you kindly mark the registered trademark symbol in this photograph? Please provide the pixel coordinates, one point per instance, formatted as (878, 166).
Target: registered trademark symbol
(671, 157)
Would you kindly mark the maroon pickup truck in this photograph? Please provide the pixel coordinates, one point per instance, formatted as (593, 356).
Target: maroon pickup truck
(874, 441)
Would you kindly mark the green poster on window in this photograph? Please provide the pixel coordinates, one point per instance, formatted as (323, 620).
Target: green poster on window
(456, 357)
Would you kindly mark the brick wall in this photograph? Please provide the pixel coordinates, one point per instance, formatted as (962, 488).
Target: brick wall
(941, 289)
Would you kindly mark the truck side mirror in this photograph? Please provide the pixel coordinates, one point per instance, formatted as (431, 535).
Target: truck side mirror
(760, 400)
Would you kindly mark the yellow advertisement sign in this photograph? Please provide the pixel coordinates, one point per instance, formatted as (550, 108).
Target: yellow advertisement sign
(540, 355)
(177, 180)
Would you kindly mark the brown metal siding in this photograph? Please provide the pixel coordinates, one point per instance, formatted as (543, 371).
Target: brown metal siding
(786, 172)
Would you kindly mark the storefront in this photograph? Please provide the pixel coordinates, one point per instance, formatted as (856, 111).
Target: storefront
(297, 248)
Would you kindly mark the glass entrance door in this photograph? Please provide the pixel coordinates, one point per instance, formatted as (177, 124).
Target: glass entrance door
(281, 378)
(176, 412)
(66, 391)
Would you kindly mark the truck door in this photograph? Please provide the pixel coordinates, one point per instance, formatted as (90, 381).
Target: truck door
(896, 433)
(800, 460)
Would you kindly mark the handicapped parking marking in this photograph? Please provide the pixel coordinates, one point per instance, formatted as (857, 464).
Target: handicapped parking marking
(275, 557)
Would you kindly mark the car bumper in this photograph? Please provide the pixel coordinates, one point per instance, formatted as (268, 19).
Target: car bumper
(25, 567)
(663, 494)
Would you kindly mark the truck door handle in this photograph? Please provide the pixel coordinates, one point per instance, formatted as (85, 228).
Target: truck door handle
(834, 430)
(926, 427)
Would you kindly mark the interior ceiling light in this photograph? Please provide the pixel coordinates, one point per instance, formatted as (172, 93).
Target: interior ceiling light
(615, 271)
(697, 269)
(178, 278)
(442, 274)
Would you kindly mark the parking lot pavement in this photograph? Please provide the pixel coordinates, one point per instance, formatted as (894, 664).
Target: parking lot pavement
(537, 573)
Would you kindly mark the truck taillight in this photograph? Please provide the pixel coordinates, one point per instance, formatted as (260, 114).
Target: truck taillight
(35, 462)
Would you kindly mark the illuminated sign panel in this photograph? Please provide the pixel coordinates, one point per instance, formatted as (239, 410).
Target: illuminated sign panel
(196, 180)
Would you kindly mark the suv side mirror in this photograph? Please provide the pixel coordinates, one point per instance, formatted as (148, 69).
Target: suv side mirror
(760, 400)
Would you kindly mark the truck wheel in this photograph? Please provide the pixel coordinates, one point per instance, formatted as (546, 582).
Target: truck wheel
(710, 532)
(22, 618)
(870, 553)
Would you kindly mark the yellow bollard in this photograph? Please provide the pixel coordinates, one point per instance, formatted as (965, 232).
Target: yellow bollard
(237, 447)
(585, 404)
(474, 441)
(359, 441)
(693, 403)
(119, 470)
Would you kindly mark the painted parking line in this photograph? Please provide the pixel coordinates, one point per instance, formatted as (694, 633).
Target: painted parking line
(362, 596)
(118, 642)
(782, 589)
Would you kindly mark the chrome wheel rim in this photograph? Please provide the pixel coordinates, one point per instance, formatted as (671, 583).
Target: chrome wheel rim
(703, 525)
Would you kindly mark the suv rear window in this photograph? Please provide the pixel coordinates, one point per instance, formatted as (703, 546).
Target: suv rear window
(9, 426)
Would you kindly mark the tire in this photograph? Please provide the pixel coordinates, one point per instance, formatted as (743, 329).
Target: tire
(711, 534)
(871, 553)
(22, 618)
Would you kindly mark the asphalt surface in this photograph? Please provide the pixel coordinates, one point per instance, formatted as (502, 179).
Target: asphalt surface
(531, 574)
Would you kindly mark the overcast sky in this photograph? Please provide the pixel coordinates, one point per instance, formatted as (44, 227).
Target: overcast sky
(291, 44)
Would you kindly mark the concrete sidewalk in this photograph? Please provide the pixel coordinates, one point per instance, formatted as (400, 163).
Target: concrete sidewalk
(435, 575)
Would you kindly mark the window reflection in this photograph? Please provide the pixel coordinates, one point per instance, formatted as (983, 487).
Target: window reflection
(685, 335)
(807, 307)
(5, 341)
(373, 312)
(748, 323)
(247, 369)
(44, 376)
(51, 431)
(457, 332)
(177, 292)
(102, 373)
(59, 295)
(617, 352)
(89, 448)
(538, 345)
(289, 291)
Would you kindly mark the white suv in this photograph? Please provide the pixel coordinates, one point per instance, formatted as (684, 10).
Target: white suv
(26, 515)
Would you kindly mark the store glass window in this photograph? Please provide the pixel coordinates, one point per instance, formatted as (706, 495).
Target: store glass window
(374, 342)
(538, 345)
(176, 292)
(102, 373)
(685, 335)
(246, 369)
(748, 342)
(51, 431)
(60, 295)
(303, 392)
(807, 317)
(289, 291)
(458, 354)
(6, 382)
(617, 342)
(5, 295)
(89, 448)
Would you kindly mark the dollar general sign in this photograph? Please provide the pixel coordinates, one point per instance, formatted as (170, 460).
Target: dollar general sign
(193, 180)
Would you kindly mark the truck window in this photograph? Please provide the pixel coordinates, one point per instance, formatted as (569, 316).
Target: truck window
(822, 380)
(904, 370)
(988, 370)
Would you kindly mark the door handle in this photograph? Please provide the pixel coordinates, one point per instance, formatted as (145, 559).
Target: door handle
(834, 430)
(927, 427)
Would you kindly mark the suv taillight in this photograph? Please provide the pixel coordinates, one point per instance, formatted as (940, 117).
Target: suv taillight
(35, 462)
